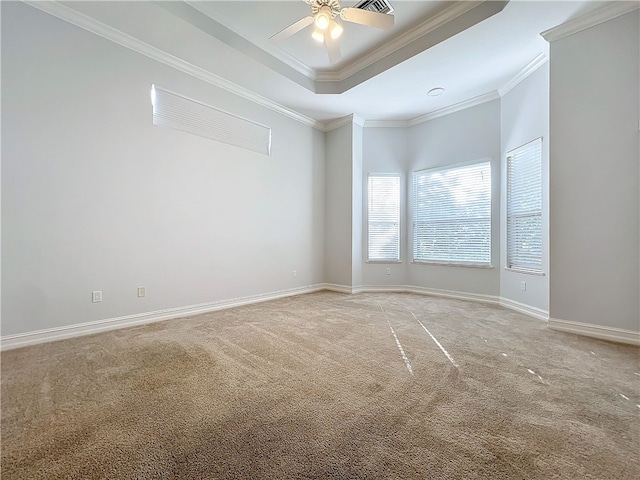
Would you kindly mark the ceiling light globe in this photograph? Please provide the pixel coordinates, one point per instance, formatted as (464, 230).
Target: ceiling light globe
(335, 29)
(323, 18)
(322, 21)
(318, 35)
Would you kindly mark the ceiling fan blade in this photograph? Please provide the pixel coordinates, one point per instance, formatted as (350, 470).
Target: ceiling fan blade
(332, 48)
(365, 17)
(292, 29)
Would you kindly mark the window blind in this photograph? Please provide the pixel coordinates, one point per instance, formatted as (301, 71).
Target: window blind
(383, 220)
(524, 207)
(452, 215)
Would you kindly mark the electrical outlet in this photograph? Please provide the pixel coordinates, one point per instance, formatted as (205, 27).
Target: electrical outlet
(96, 296)
(142, 292)
(388, 271)
(523, 286)
(294, 274)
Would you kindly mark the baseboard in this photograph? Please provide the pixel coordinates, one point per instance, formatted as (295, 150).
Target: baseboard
(334, 287)
(529, 310)
(60, 333)
(475, 297)
(534, 312)
(380, 288)
(596, 331)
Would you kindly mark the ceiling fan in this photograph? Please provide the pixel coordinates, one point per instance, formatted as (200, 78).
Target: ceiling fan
(327, 30)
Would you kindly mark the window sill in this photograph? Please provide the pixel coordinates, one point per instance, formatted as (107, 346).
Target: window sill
(452, 264)
(383, 261)
(537, 273)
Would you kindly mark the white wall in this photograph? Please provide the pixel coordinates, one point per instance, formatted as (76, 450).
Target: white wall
(94, 197)
(594, 175)
(357, 204)
(525, 117)
(338, 206)
(343, 222)
(385, 151)
(465, 136)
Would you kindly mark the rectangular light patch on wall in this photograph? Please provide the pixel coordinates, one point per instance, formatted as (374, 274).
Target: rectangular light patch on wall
(175, 111)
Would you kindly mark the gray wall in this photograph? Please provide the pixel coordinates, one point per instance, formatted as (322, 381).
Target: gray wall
(357, 204)
(95, 197)
(464, 136)
(525, 117)
(594, 178)
(343, 226)
(339, 206)
(385, 151)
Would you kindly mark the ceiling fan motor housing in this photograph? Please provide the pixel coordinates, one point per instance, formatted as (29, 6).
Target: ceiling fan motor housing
(333, 7)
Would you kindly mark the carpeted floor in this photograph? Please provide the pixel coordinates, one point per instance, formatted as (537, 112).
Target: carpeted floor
(325, 386)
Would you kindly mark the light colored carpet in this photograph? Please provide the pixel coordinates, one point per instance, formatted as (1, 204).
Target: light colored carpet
(316, 387)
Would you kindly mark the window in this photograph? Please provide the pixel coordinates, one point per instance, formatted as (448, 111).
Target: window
(524, 207)
(452, 215)
(384, 218)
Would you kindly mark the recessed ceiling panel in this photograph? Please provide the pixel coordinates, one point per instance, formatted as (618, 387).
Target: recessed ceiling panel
(258, 21)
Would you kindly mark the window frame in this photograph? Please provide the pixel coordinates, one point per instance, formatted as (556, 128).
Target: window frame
(414, 211)
(399, 218)
(509, 265)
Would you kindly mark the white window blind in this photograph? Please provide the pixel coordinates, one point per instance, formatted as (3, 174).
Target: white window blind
(524, 207)
(384, 218)
(452, 215)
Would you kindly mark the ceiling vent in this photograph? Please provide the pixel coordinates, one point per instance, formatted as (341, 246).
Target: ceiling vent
(378, 6)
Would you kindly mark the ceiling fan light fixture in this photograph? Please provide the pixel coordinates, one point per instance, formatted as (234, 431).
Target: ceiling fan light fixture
(327, 30)
(323, 18)
(335, 30)
(317, 35)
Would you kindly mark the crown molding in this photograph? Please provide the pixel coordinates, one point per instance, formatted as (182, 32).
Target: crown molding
(89, 24)
(278, 54)
(322, 75)
(448, 14)
(352, 118)
(329, 125)
(358, 120)
(607, 12)
(386, 123)
(472, 102)
(528, 69)
(328, 76)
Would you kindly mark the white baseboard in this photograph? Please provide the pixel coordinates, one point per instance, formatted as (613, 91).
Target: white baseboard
(534, 312)
(59, 333)
(476, 297)
(380, 288)
(596, 331)
(334, 287)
